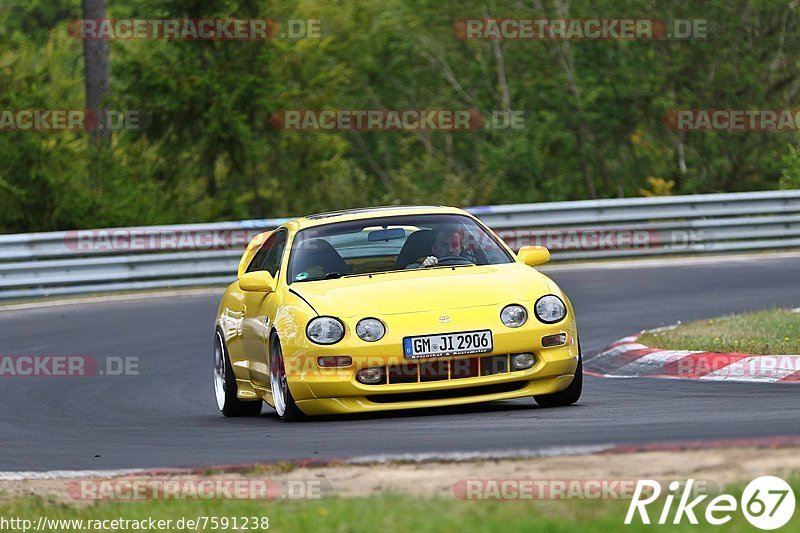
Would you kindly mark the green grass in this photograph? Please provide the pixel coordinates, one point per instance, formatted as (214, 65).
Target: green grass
(768, 332)
(387, 512)
(279, 467)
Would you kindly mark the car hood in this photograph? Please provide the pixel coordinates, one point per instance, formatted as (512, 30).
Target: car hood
(419, 290)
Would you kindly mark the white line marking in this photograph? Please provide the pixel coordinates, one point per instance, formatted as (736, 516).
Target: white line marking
(652, 363)
(67, 474)
(663, 328)
(627, 347)
(470, 456)
(665, 262)
(112, 298)
(619, 349)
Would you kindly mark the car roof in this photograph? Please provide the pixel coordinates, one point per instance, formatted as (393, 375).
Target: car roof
(364, 213)
(358, 210)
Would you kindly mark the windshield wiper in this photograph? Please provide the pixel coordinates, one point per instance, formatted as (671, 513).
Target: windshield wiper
(447, 266)
(370, 274)
(329, 275)
(337, 275)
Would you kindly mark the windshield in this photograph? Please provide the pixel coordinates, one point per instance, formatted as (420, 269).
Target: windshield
(389, 244)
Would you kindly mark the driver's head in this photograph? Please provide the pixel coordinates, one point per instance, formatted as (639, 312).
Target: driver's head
(447, 241)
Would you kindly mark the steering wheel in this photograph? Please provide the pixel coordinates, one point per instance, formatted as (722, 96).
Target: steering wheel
(453, 260)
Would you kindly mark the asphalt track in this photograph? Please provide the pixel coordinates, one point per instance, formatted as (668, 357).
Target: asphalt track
(166, 416)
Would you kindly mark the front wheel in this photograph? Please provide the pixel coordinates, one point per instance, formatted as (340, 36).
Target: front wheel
(568, 396)
(281, 395)
(225, 384)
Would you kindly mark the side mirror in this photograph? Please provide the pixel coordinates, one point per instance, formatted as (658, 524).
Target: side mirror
(534, 255)
(259, 281)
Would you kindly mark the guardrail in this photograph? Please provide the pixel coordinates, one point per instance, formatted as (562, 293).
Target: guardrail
(88, 261)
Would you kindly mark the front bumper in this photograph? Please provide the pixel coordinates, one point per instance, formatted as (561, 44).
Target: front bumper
(336, 390)
(358, 404)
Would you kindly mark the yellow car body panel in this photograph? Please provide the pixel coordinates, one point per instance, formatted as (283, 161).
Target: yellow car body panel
(409, 303)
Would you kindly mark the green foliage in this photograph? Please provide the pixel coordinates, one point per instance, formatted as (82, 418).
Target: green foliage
(593, 110)
(790, 175)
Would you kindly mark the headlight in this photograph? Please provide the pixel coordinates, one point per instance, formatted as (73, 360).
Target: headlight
(513, 315)
(550, 309)
(325, 330)
(370, 329)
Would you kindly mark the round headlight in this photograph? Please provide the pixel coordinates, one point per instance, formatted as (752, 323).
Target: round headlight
(550, 309)
(325, 330)
(370, 329)
(513, 315)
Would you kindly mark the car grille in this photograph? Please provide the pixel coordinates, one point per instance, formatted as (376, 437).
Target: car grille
(421, 396)
(438, 370)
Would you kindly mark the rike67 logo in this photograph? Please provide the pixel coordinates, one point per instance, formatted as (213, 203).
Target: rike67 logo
(767, 502)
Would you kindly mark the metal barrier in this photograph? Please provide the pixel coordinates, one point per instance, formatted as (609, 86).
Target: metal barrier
(88, 261)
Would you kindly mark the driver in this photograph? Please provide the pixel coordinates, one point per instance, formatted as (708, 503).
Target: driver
(446, 242)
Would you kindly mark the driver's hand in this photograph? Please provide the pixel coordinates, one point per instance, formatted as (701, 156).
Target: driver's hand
(430, 261)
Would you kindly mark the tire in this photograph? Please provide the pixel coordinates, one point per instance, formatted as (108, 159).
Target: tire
(225, 387)
(568, 396)
(282, 398)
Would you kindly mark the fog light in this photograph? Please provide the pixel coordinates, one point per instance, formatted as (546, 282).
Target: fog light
(522, 361)
(554, 340)
(334, 361)
(370, 376)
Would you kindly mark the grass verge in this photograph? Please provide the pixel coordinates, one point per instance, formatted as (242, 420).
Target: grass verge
(381, 512)
(767, 332)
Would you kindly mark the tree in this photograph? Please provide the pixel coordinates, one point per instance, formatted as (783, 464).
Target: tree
(96, 73)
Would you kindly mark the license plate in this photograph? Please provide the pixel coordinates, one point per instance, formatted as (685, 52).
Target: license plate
(447, 344)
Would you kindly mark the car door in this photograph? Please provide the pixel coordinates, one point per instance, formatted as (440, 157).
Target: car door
(258, 310)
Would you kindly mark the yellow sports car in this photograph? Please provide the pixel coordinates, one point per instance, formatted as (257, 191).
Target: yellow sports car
(391, 308)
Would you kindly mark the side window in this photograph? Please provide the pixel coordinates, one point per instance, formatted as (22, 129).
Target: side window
(272, 260)
(269, 256)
